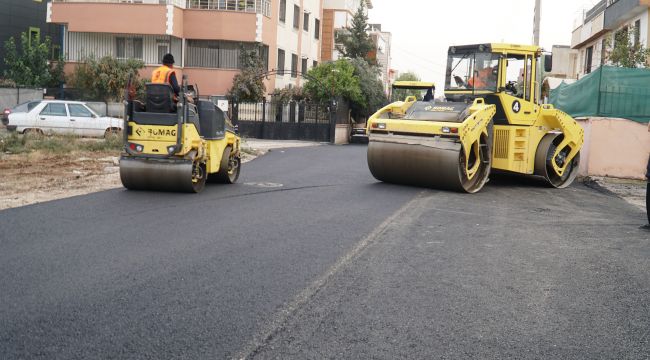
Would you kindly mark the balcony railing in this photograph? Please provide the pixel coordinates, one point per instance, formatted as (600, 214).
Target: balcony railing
(179, 3)
(250, 6)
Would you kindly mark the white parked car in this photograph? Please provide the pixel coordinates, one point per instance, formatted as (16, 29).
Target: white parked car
(61, 117)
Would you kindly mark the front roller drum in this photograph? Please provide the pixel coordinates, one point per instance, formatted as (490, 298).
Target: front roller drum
(441, 166)
(162, 175)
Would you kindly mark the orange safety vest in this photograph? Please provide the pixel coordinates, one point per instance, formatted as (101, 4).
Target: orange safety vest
(161, 75)
(480, 78)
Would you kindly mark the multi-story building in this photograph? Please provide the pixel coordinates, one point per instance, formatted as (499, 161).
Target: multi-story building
(205, 36)
(337, 15)
(28, 16)
(594, 36)
(298, 39)
(381, 53)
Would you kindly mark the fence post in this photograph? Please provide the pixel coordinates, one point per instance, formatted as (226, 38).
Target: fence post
(17, 95)
(600, 81)
(332, 127)
(263, 118)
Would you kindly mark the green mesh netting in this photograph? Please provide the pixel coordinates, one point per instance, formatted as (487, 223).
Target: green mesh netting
(624, 93)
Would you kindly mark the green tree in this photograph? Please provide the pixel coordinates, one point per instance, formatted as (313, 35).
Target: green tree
(371, 88)
(627, 52)
(354, 42)
(401, 94)
(105, 79)
(333, 79)
(248, 85)
(28, 64)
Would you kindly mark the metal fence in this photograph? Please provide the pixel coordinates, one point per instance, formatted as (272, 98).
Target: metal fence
(10, 97)
(283, 120)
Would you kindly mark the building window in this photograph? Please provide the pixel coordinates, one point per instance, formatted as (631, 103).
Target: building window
(283, 10)
(128, 48)
(304, 66)
(34, 35)
(589, 59)
(163, 49)
(637, 32)
(305, 23)
(220, 54)
(316, 29)
(315, 63)
(294, 65)
(281, 58)
(296, 17)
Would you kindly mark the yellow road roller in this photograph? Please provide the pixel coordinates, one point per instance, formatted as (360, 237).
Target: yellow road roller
(177, 145)
(490, 120)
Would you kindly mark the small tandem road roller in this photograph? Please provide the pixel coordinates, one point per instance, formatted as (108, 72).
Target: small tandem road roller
(491, 120)
(179, 146)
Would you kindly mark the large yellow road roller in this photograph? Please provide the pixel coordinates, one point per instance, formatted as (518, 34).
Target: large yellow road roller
(177, 146)
(490, 120)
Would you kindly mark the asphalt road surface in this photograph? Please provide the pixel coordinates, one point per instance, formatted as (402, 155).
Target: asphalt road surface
(308, 257)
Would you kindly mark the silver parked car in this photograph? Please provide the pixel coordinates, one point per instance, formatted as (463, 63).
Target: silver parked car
(61, 117)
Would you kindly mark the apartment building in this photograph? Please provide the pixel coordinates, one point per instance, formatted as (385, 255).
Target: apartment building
(28, 16)
(205, 36)
(381, 53)
(594, 35)
(298, 40)
(337, 15)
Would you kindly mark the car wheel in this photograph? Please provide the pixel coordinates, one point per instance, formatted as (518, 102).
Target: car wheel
(112, 132)
(31, 131)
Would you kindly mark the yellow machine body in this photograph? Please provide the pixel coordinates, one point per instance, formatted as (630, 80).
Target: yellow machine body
(499, 125)
(179, 150)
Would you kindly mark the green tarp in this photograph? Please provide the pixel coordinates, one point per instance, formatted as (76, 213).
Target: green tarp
(607, 92)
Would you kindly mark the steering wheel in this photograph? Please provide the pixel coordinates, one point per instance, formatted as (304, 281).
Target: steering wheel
(511, 86)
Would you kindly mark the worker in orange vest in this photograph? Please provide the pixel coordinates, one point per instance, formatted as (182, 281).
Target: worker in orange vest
(482, 78)
(167, 75)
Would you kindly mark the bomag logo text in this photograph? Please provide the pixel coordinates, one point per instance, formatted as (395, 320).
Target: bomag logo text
(439, 108)
(161, 132)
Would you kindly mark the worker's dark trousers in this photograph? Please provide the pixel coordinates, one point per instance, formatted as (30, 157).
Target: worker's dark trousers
(647, 202)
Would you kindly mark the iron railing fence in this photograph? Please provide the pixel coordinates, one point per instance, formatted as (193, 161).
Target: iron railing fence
(251, 6)
(293, 120)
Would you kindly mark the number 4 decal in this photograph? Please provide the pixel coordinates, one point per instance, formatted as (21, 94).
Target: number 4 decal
(516, 106)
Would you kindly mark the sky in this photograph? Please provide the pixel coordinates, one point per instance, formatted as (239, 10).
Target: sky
(423, 30)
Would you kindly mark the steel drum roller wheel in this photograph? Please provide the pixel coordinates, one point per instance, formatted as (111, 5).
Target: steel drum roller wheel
(229, 169)
(429, 166)
(544, 166)
(162, 175)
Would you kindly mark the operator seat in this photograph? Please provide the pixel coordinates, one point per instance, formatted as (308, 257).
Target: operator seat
(160, 98)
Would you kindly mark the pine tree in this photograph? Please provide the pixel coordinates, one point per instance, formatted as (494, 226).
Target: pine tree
(354, 42)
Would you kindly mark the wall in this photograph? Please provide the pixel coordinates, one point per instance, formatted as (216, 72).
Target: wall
(10, 97)
(614, 147)
(111, 18)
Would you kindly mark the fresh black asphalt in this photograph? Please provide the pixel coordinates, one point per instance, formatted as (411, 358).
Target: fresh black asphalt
(313, 269)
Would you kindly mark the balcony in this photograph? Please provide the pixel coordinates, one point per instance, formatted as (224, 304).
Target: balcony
(589, 31)
(620, 11)
(249, 6)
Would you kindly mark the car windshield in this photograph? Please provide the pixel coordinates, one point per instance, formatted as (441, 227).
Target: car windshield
(25, 107)
(472, 71)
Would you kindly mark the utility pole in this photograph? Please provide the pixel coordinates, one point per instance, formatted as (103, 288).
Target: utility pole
(538, 16)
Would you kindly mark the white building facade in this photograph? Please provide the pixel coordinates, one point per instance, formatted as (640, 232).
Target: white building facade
(595, 36)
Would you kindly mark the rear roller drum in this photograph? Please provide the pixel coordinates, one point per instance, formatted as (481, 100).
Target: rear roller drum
(544, 165)
(229, 169)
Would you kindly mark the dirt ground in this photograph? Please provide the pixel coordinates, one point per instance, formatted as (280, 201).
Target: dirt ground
(40, 176)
